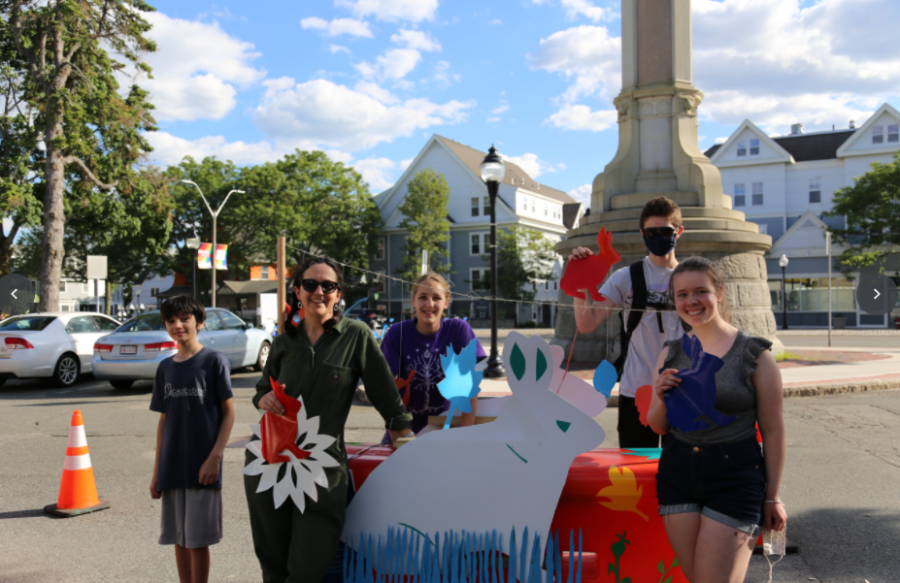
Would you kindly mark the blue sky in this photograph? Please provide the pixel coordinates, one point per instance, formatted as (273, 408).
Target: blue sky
(369, 80)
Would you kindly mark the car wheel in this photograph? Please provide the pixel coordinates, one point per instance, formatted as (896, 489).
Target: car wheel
(121, 385)
(263, 356)
(65, 373)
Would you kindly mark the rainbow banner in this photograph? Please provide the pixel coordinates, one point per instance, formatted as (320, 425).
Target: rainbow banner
(204, 260)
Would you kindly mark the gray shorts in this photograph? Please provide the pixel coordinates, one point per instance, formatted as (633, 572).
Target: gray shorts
(191, 518)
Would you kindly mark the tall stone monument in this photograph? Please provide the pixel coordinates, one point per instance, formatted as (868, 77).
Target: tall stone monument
(659, 155)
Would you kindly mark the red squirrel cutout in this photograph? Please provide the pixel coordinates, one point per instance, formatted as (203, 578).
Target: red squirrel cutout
(589, 273)
(279, 432)
(404, 384)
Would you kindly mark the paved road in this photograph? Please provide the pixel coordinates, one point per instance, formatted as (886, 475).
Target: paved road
(841, 487)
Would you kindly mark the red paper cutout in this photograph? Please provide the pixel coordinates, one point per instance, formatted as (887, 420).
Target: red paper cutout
(642, 398)
(279, 432)
(404, 384)
(589, 273)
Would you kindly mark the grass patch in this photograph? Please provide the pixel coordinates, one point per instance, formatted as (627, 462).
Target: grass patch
(790, 356)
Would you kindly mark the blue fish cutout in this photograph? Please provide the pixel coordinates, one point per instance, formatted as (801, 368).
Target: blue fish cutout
(461, 380)
(691, 405)
(605, 378)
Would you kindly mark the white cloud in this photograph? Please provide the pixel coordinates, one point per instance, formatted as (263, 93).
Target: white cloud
(404, 164)
(327, 114)
(378, 92)
(576, 8)
(499, 110)
(586, 53)
(775, 62)
(392, 10)
(493, 119)
(338, 26)
(778, 63)
(378, 172)
(495, 22)
(722, 140)
(533, 165)
(582, 194)
(416, 39)
(392, 65)
(335, 49)
(581, 117)
(169, 149)
(196, 69)
(443, 76)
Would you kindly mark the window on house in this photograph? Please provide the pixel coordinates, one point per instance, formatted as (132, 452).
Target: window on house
(524, 203)
(878, 135)
(154, 291)
(486, 204)
(893, 132)
(757, 194)
(476, 244)
(546, 284)
(379, 253)
(474, 206)
(62, 287)
(764, 229)
(264, 272)
(378, 282)
(478, 278)
(742, 148)
(555, 285)
(754, 147)
(85, 288)
(740, 198)
(815, 190)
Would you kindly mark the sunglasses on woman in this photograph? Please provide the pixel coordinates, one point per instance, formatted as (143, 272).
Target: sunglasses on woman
(666, 232)
(311, 285)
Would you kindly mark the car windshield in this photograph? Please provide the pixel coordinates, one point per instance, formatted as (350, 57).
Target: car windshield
(144, 323)
(20, 323)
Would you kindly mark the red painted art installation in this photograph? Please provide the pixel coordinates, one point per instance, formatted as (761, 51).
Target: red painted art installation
(589, 273)
(279, 432)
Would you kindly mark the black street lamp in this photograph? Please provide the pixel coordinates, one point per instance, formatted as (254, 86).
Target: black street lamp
(783, 262)
(193, 243)
(492, 171)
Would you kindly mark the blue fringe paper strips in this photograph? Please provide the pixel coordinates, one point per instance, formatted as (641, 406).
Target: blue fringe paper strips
(461, 380)
(432, 483)
(464, 557)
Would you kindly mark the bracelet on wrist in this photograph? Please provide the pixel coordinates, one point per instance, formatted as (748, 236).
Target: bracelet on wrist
(774, 502)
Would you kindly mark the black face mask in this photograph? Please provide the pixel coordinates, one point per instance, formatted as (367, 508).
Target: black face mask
(660, 245)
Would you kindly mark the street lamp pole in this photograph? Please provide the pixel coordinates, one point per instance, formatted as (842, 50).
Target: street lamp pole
(783, 262)
(492, 171)
(194, 243)
(215, 215)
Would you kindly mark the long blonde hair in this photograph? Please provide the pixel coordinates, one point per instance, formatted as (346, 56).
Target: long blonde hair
(438, 282)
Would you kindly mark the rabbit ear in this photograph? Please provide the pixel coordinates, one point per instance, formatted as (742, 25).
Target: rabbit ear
(528, 361)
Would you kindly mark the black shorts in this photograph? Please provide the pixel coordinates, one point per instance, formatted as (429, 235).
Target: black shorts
(725, 482)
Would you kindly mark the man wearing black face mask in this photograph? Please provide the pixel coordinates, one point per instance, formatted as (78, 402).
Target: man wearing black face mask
(643, 286)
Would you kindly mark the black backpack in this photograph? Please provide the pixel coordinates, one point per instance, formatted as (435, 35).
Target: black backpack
(639, 303)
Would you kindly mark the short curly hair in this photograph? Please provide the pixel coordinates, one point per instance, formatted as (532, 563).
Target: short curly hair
(181, 306)
(662, 206)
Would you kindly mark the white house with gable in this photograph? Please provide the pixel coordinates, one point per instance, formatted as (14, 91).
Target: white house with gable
(521, 201)
(785, 184)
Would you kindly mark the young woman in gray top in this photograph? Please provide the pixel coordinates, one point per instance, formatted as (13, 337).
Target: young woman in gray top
(714, 486)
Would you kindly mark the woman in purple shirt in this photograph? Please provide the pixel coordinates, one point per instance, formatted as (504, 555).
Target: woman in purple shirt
(415, 345)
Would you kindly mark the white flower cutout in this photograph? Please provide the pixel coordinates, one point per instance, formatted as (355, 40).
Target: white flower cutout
(299, 476)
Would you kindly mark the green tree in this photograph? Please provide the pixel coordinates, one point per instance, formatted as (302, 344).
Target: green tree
(129, 225)
(20, 157)
(425, 220)
(871, 208)
(524, 257)
(90, 133)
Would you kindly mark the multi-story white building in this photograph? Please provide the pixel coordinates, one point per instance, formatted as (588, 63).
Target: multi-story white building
(521, 201)
(785, 184)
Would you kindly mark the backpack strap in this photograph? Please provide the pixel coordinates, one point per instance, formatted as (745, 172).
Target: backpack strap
(636, 312)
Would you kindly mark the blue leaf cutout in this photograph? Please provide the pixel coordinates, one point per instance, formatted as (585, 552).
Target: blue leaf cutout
(605, 378)
(461, 380)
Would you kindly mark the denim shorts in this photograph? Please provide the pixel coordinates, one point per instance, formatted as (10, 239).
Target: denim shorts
(725, 482)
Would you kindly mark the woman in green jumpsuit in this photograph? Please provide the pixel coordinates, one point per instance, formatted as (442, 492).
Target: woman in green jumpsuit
(321, 359)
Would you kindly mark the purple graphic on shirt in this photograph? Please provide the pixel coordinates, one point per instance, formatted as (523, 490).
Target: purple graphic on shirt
(406, 349)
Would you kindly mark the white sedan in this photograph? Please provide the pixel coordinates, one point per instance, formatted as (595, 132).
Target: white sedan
(57, 345)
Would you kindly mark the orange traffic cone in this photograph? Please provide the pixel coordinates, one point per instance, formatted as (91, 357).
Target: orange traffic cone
(78, 492)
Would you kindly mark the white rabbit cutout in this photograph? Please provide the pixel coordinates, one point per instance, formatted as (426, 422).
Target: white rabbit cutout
(500, 476)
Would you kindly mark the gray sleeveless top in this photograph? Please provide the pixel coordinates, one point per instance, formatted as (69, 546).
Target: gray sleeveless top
(735, 394)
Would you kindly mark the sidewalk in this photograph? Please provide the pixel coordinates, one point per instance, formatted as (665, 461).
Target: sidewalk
(799, 381)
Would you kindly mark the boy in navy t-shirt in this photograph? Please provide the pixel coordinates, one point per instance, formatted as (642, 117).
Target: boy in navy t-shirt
(192, 393)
